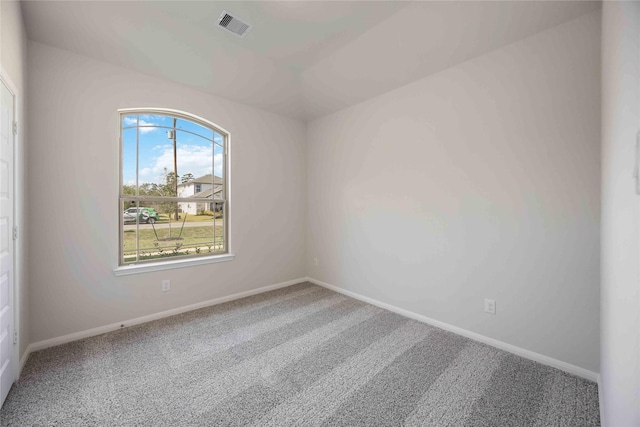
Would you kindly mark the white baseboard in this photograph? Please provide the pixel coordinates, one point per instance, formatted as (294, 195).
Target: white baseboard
(23, 359)
(601, 402)
(40, 345)
(527, 354)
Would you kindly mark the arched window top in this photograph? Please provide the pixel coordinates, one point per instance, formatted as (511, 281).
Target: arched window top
(169, 113)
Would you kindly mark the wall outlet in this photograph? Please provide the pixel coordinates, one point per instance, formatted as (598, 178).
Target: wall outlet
(315, 261)
(166, 285)
(490, 306)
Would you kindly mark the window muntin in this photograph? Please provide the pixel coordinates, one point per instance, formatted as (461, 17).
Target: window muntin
(163, 154)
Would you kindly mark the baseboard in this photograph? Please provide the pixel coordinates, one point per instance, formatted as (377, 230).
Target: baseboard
(40, 345)
(527, 354)
(23, 359)
(601, 402)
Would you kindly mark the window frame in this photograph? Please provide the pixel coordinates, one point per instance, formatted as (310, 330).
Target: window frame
(182, 260)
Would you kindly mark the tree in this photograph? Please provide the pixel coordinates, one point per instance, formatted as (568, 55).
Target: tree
(129, 190)
(148, 189)
(169, 188)
(186, 178)
(166, 189)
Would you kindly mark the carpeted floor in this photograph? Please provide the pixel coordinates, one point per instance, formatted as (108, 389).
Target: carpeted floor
(301, 355)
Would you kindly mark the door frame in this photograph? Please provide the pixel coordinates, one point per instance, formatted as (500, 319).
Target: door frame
(17, 212)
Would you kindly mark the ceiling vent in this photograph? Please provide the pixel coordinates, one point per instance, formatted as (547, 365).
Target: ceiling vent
(233, 24)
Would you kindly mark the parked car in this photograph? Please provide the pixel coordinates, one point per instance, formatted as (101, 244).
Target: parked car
(147, 215)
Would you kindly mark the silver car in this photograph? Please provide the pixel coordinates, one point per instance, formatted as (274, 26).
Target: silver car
(147, 215)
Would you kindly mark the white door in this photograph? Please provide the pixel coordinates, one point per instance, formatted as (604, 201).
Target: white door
(7, 117)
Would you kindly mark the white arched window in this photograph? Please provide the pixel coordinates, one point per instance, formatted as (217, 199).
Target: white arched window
(173, 201)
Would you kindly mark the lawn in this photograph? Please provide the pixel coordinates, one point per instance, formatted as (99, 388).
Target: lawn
(163, 242)
(164, 218)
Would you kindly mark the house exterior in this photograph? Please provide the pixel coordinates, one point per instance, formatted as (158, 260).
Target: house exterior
(206, 186)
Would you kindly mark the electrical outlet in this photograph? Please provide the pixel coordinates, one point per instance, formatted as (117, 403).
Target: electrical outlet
(166, 285)
(315, 261)
(490, 306)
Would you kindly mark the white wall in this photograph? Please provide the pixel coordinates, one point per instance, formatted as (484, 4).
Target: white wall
(620, 293)
(73, 160)
(480, 181)
(13, 59)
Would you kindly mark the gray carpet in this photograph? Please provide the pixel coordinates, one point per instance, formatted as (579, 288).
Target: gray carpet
(301, 355)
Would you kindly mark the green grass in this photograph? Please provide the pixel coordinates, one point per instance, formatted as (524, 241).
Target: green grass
(165, 242)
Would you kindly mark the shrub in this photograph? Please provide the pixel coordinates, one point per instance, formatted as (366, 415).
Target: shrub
(213, 214)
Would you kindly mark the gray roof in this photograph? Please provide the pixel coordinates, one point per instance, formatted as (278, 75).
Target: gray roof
(205, 179)
(209, 193)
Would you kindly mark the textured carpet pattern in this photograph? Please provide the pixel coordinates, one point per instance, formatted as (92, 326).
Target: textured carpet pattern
(301, 355)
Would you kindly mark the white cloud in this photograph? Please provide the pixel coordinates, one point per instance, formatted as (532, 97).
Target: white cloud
(146, 129)
(131, 121)
(193, 159)
(217, 164)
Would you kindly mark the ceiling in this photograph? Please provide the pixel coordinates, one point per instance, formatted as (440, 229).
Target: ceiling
(302, 59)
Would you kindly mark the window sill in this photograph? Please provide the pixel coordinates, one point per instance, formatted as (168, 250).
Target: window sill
(126, 270)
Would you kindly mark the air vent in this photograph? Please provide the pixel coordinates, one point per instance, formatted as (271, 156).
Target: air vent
(233, 24)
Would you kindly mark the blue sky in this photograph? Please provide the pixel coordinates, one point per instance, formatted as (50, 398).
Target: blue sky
(195, 152)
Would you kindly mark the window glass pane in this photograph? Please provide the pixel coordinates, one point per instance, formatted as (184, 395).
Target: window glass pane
(166, 211)
(129, 121)
(219, 227)
(194, 128)
(218, 163)
(156, 168)
(129, 161)
(218, 139)
(155, 121)
(126, 205)
(129, 236)
(195, 159)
